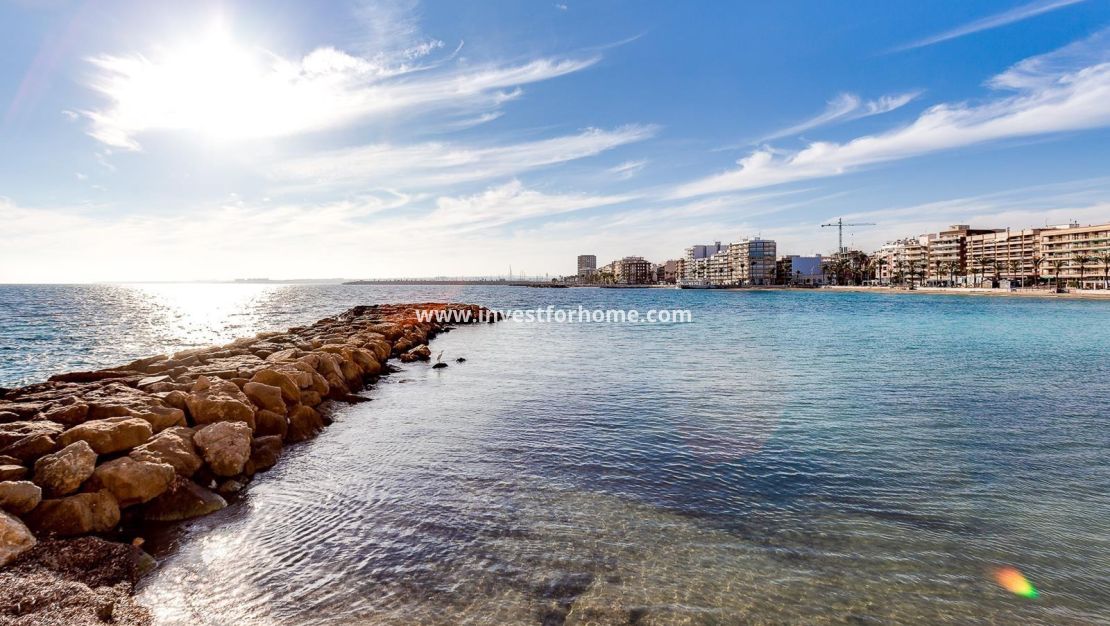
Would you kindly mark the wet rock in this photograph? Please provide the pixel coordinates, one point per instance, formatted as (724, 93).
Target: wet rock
(311, 398)
(183, 500)
(61, 473)
(439, 366)
(15, 538)
(267, 397)
(290, 390)
(132, 482)
(78, 514)
(265, 452)
(419, 353)
(173, 446)
(12, 472)
(270, 423)
(19, 497)
(214, 400)
(304, 423)
(113, 434)
(225, 446)
(460, 360)
(230, 486)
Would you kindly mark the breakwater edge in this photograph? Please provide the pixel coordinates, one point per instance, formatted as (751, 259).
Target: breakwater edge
(89, 457)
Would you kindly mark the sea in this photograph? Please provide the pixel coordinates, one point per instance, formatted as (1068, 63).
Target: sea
(781, 457)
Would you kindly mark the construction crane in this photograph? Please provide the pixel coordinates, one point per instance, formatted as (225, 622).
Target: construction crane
(839, 223)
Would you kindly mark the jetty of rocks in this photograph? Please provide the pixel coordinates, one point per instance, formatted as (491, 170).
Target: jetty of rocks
(166, 438)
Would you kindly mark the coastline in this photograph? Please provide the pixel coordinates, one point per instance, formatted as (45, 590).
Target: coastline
(89, 461)
(974, 291)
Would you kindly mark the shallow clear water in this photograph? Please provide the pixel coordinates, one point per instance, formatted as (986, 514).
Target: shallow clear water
(807, 457)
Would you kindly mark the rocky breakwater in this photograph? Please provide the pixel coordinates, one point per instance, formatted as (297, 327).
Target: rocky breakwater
(166, 438)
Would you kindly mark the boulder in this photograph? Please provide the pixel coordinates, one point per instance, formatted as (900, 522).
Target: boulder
(183, 500)
(78, 514)
(14, 432)
(162, 417)
(31, 447)
(266, 397)
(61, 473)
(12, 472)
(265, 452)
(311, 398)
(173, 446)
(225, 446)
(19, 496)
(214, 400)
(113, 434)
(270, 423)
(15, 538)
(131, 481)
(290, 391)
(70, 415)
(304, 423)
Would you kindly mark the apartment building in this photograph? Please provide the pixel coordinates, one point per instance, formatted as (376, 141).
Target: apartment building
(946, 257)
(696, 266)
(587, 265)
(800, 270)
(633, 270)
(1012, 255)
(1078, 251)
(752, 262)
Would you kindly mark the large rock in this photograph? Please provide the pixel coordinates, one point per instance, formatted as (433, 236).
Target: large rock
(70, 414)
(265, 452)
(131, 481)
(290, 390)
(267, 397)
(12, 472)
(28, 440)
(19, 496)
(15, 538)
(79, 514)
(162, 417)
(183, 500)
(304, 423)
(173, 446)
(225, 446)
(113, 434)
(270, 423)
(61, 473)
(215, 400)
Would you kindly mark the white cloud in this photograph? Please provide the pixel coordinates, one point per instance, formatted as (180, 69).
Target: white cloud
(845, 107)
(1046, 102)
(1017, 14)
(628, 169)
(437, 164)
(227, 91)
(506, 204)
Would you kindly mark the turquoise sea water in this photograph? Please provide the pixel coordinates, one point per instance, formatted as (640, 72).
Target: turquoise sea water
(787, 457)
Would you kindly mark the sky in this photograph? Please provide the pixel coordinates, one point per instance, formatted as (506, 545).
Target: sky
(219, 140)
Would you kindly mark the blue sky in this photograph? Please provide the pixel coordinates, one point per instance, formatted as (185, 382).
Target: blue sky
(214, 140)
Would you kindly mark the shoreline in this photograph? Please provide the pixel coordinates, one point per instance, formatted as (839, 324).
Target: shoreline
(92, 461)
(978, 291)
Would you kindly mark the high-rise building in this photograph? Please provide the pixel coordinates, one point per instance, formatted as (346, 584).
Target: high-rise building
(633, 270)
(1078, 251)
(587, 265)
(752, 262)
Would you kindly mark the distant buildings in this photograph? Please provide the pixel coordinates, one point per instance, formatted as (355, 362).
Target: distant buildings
(633, 270)
(797, 270)
(963, 256)
(746, 262)
(587, 265)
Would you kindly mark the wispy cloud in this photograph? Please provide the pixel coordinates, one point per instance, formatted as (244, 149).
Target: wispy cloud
(628, 169)
(845, 107)
(224, 90)
(509, 203)
(435, 164)
(1062, 91)
(1017, 14)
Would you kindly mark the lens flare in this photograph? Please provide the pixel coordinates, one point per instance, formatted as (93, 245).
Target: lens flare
(1013, 581)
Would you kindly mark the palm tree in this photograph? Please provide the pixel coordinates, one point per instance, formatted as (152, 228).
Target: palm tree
(879, 264)
(1037, 261)
(899, 270)
(984, 263)
(1057, 265)
(1104, 258)
(1015, 268)
(1082, 260)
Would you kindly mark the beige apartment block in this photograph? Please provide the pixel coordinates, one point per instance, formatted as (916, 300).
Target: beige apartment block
(1080, 250)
